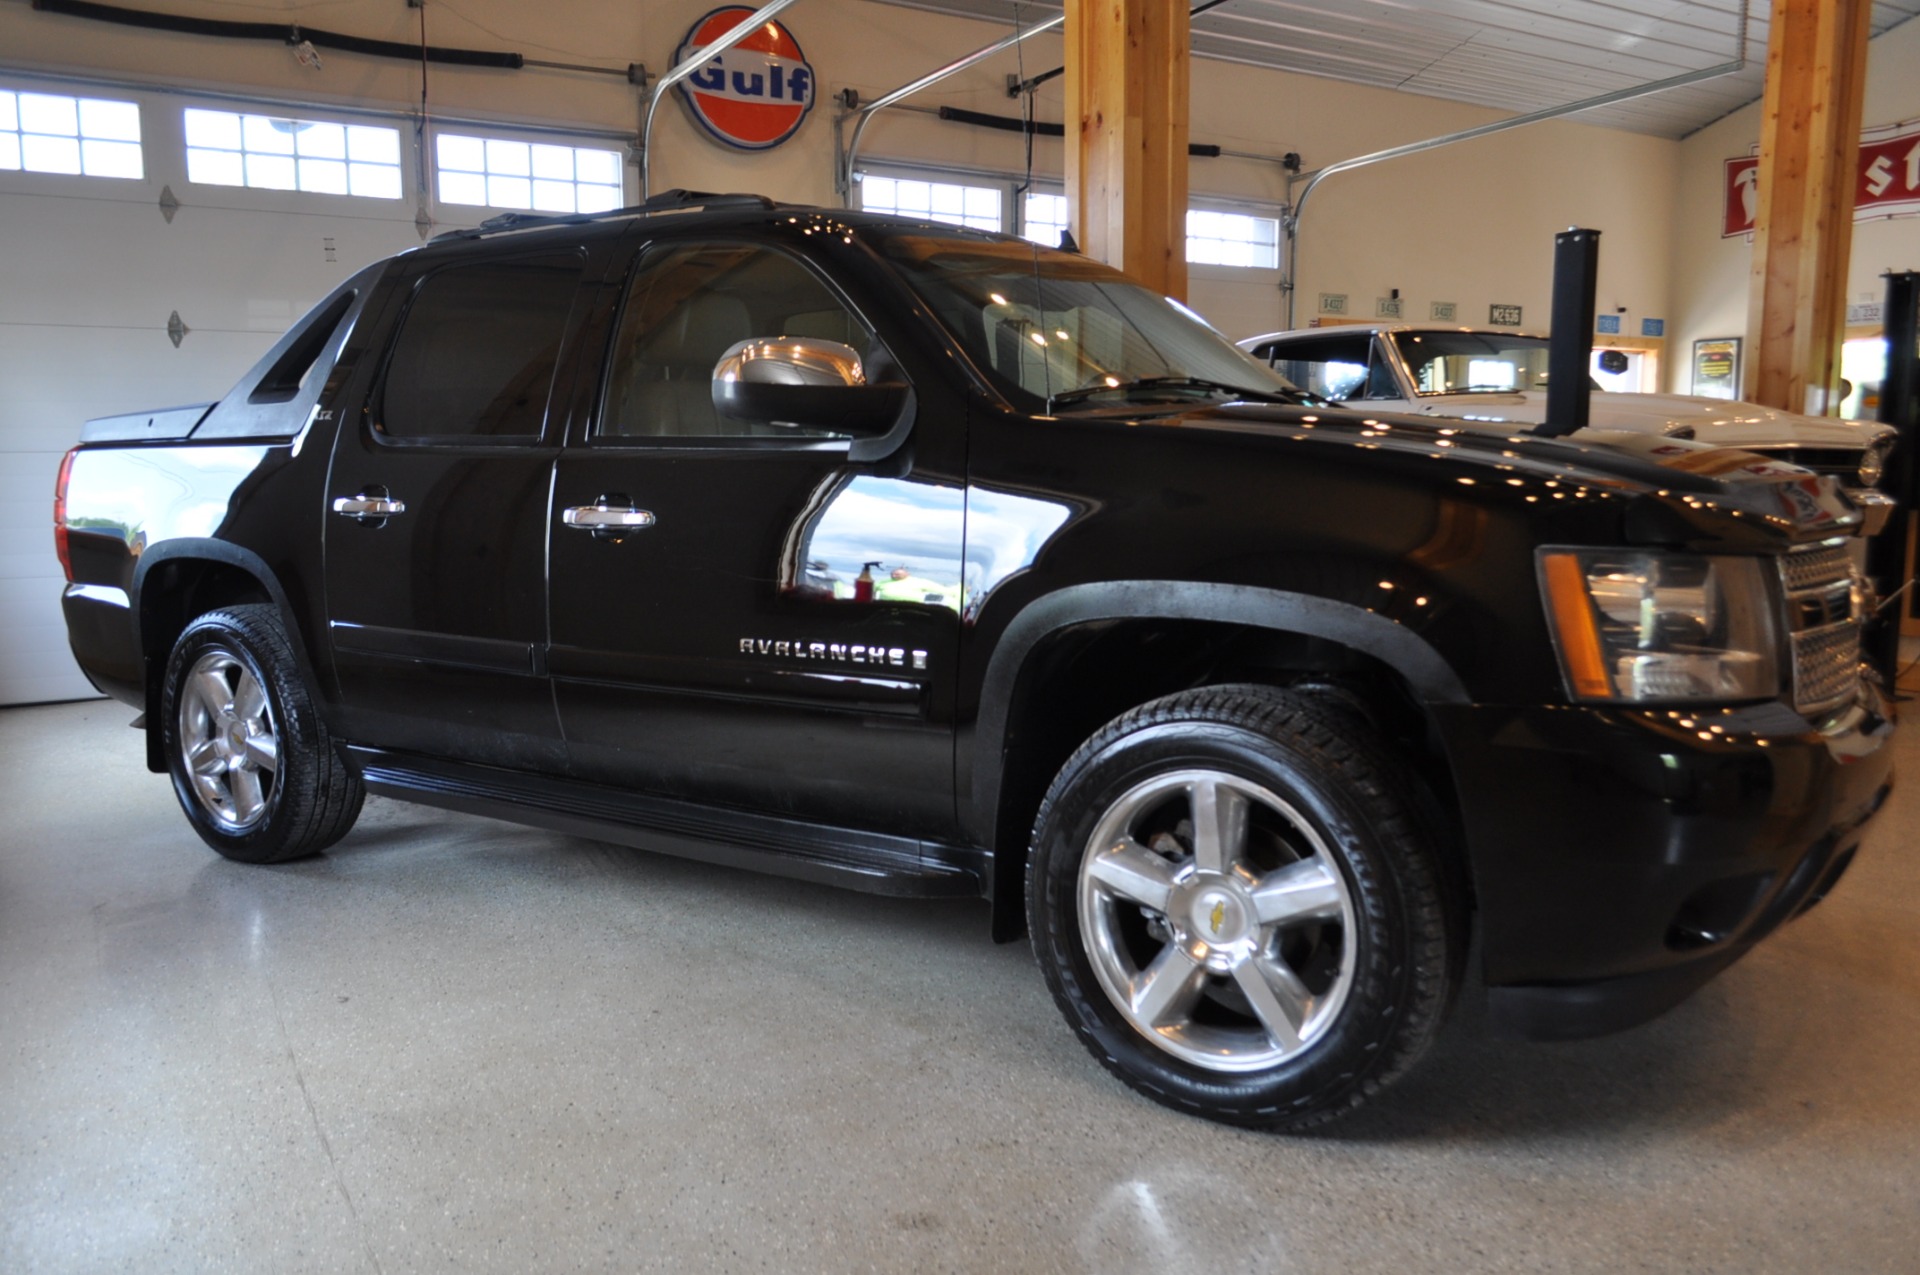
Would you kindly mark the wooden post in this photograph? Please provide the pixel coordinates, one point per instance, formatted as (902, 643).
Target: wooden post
(1803, 230)
(1127, 143)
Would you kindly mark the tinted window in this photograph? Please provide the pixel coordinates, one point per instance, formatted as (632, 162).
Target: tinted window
(1332, 367)
(686, 307)
(477, 350)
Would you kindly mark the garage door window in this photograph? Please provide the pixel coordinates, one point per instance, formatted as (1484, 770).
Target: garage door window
(496, 172)
(227, 148)
(83, 136)
(950, 202)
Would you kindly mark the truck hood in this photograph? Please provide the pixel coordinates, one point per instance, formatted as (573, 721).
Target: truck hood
(1670, 481)
(1712, 420)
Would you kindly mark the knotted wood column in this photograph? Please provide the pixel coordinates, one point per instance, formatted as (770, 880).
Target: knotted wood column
(1127, 136)
(1803, 228)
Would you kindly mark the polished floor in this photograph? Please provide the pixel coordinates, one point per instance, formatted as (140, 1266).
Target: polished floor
(456, 1045)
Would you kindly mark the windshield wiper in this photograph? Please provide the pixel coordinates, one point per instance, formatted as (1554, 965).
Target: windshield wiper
(1149, 384)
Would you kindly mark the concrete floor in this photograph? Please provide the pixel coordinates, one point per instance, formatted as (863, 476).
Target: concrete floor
(453, 1044)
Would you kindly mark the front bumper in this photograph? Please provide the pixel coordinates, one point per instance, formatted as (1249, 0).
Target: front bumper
(1621, 858)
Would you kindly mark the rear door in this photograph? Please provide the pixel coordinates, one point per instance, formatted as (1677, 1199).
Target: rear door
(436, 531)
(780, 633)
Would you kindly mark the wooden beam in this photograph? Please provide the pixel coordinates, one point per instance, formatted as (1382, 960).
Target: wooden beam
(1127, 148)
(1803, 231)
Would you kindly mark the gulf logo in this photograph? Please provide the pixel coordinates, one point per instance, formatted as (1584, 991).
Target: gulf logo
(753, 95)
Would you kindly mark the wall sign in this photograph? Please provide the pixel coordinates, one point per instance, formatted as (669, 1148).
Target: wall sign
(1888, 182)
(1506, 316)
(1653, 327)
(1607, 324)
(754, 95)
(1716, 367)
(1441, 311)
(1386, 307)
(1333, 303)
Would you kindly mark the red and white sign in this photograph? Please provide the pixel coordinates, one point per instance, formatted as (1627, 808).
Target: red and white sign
(753, 95)
(1888, 184)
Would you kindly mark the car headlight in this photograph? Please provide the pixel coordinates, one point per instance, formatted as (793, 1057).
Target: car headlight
(1639, 626)
(1873, 463)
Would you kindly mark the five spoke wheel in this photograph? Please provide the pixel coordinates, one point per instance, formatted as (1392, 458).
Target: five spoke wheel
(1216, 920)
(228, 737)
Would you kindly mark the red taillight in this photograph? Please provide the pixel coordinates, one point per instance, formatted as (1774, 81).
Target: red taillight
(60, 515)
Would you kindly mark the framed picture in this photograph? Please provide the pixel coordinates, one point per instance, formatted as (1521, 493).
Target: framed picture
(1716, 367)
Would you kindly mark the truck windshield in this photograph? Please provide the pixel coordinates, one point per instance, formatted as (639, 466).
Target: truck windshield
(1051, 327)
(1474, 362)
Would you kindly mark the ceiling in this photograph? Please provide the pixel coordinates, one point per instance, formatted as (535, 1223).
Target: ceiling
(1519, 57)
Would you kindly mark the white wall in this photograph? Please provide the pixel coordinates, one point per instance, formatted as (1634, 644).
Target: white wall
(1710, 284)
(92, 270)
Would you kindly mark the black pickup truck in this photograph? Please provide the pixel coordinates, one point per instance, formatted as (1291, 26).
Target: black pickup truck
(929, 562)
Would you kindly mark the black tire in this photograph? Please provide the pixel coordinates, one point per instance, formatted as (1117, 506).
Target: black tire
(1333, 904)
(252, 763)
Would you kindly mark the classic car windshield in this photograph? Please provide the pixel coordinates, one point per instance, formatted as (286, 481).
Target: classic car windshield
(1473, 362)
(1044, 324)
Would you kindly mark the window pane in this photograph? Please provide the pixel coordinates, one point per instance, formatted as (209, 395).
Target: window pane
(263, 136)
(45, 113)
(598, 198)
(554, 163)
(597, 166)
(322, 141)
(465, 154)
(215, 168)
(50, 154)
(476, 354)
(9, 150)
(553, 196)
(9, 112)
(373, 145)
(109, 121)
(507, 159)
(981, 202)
(219, 129)
(324, 176)
(462, 188)
(111, 159)
(373, 181)
(270, 172)
(509, 192)
(686, 307)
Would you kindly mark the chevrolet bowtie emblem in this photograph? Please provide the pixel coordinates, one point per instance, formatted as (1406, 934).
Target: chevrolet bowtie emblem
(1219, 915)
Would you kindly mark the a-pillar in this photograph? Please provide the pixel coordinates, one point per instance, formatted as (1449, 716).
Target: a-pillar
(1803, 231)
(1127, 136)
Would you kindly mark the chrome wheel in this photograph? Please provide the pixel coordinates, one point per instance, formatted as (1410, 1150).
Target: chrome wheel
(1217, 920)
(228, 740)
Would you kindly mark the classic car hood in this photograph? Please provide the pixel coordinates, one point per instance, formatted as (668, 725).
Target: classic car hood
(1712, 420)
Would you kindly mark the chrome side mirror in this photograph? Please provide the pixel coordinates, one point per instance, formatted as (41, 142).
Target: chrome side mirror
(805, 382)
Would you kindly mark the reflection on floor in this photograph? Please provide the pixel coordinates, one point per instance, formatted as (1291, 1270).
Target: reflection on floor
(456, 1044)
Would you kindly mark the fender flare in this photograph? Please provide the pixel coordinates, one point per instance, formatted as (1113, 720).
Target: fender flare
(200, 549)
(1433, 680)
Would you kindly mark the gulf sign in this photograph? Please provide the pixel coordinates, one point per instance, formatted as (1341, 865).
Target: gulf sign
(753, 95)
(1887, 183)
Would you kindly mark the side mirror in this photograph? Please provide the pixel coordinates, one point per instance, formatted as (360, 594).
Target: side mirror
(807, 382)
(1613, 362)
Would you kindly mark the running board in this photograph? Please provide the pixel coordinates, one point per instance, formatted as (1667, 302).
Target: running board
(847, 857)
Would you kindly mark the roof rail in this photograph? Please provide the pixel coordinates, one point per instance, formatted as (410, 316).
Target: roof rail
(665, 201)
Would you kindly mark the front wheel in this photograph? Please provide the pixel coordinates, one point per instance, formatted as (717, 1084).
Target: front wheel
(252, 763)
(1236, 910)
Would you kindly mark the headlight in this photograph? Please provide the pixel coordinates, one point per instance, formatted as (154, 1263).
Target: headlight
(1638, 626)
(1873, 463)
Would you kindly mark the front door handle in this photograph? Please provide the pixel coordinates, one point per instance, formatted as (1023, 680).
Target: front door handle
(608, 514)
(372, 507)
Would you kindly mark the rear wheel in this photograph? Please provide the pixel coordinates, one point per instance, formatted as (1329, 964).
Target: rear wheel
(252, 763)
(1236, 910)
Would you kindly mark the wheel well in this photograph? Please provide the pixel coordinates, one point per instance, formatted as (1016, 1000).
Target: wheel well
(1079, 678)
(172, 595)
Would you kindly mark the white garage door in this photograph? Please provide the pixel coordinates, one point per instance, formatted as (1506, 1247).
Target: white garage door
(95, 270)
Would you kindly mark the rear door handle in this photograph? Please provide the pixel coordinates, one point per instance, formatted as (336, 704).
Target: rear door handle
(372, 506)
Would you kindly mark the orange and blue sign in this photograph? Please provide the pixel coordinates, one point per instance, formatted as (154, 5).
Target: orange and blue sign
(753, 95)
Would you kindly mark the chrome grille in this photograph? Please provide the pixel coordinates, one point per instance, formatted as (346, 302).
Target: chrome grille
(1824, 629)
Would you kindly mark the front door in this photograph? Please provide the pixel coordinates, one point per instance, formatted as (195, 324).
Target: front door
(775, 626)
(436, 531)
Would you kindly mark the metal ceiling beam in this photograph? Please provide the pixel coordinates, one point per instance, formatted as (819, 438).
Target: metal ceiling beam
(1313, 178)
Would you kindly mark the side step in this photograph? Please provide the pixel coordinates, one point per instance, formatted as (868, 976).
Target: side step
(870, 862)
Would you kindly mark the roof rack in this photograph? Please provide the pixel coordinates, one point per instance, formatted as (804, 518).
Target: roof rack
(665, 201)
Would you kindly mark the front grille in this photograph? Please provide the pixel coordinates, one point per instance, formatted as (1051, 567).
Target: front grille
(1841, 462)
(1823, 626)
